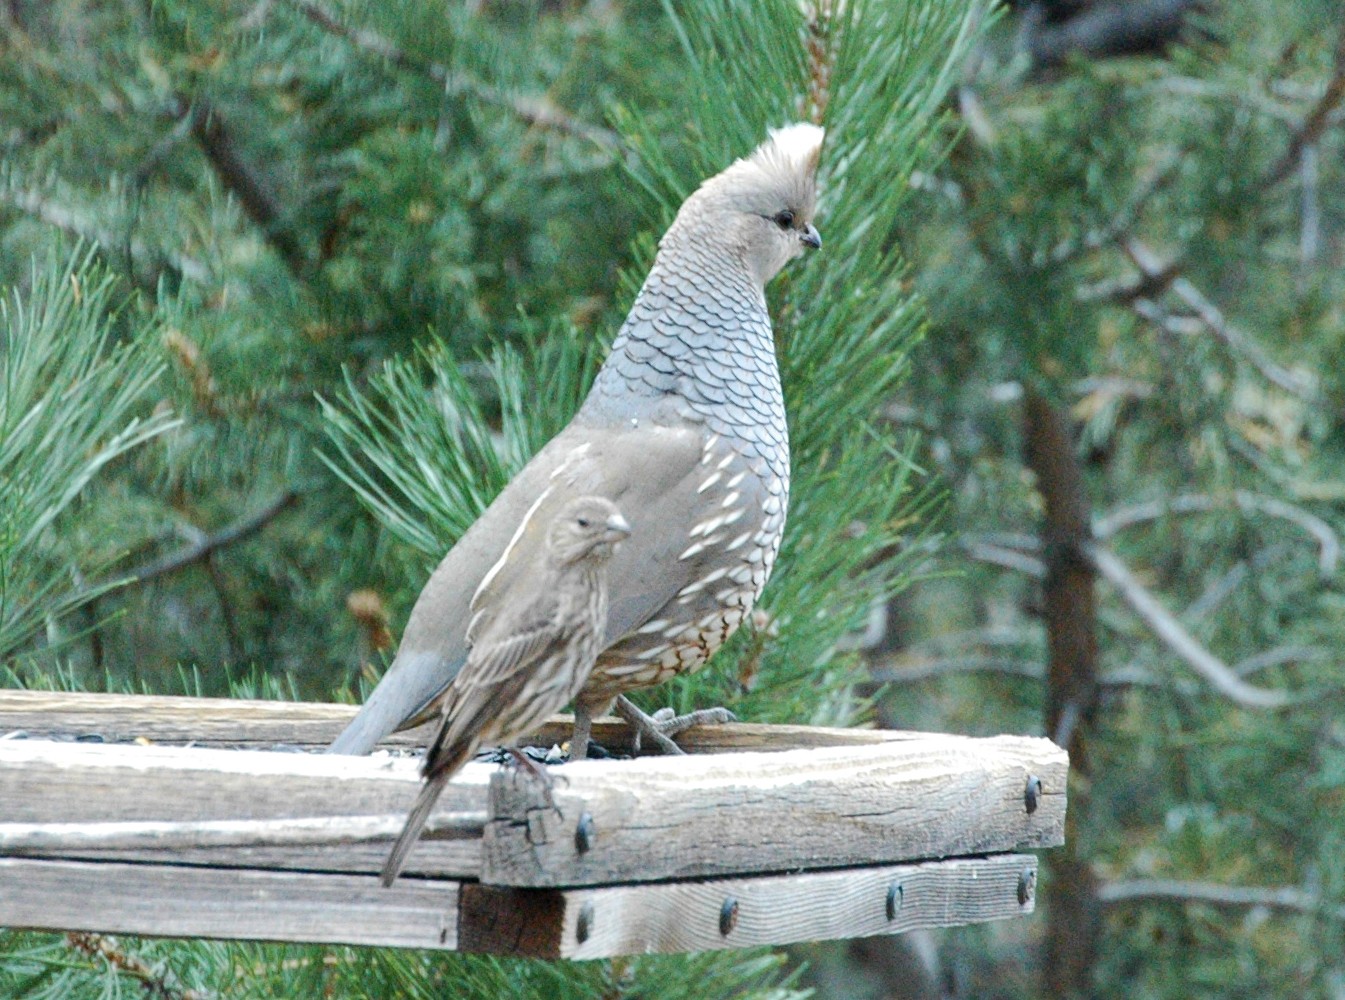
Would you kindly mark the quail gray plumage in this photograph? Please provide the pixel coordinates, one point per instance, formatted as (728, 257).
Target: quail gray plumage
(684, 428)
(532, 658)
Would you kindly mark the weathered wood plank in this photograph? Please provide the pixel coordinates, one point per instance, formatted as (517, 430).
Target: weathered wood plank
(650, 819)
(744, 912)
(59, 783)
(119, 718)
(168, 901)
(171, 901)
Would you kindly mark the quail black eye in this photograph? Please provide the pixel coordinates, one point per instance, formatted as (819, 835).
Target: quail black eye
(784, 219)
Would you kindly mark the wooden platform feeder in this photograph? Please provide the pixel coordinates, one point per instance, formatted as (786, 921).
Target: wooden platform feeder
(189, 817)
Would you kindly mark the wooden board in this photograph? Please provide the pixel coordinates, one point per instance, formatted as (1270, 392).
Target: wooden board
(117, 718)
(654, 818)
(615, 821)
(744, 912)
(46, 783)
(169, 901)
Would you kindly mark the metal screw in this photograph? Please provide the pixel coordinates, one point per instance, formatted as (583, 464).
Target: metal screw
(728, 916)
(584, 833)
(1027, 886)
(585, 924)
(896, 895)
(1032, 794)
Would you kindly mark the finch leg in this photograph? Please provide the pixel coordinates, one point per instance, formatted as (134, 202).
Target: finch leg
(540, 774)
(583, 732)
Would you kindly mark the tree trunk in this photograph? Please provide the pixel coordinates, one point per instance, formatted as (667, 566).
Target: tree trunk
(1069, 607)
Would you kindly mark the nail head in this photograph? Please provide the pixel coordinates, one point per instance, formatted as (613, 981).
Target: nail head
(585, 924)
(1027, 886)
(896, 895)
(728, 916)
(584, 833)
(1032, 794)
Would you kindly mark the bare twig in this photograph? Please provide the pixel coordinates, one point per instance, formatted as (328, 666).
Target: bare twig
(72, 222)
(1151, 265)
(1199, 503)
(1216, 894)
(1307, 134)
(533, 110)
(237, 531)
(998, 555)
(1174, 635)
(1310, 228)
(135, 835)
(253, 190)
(1278, 656)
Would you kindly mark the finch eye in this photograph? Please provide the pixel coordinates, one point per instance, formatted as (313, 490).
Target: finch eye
(584, 522)
(785, 219)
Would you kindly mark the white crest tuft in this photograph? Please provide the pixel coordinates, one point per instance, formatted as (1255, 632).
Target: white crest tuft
(799, 143)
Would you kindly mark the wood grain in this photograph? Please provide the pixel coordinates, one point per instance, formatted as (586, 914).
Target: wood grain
(649, 819)
(169, 901)
(118, 718)
(73, 783)
(744, 912)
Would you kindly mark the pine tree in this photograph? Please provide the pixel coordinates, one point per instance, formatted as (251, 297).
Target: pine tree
(303, 191)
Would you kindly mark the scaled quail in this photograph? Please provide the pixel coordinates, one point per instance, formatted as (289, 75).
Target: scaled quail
(532, 658)
(684, 429)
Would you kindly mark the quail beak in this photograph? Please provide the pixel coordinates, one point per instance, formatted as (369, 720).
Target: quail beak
(810, 237)
(618, 528)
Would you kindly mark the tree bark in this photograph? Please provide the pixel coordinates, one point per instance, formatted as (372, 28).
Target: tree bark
(1069, 608)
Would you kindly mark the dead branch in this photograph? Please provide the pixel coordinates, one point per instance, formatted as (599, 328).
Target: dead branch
(68, 220)
(1199, 503)
(199, 550)
(1216, 894)
(1151, 265)
(1305, 137)
(1174, 635)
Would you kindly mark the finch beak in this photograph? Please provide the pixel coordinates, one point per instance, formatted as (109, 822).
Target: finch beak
(811, 238)
(617, 529)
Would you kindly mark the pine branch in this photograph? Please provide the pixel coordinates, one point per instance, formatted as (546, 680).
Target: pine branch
(236, 532)
(161, 985)
(1242, 345)
(1306, 136)
(534, 110)
(70, 221)
(255, 193)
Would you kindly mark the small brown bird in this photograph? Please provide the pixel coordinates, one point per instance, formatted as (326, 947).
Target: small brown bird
(532, 647)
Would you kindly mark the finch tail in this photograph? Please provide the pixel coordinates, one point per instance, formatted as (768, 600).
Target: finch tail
(420, 814)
